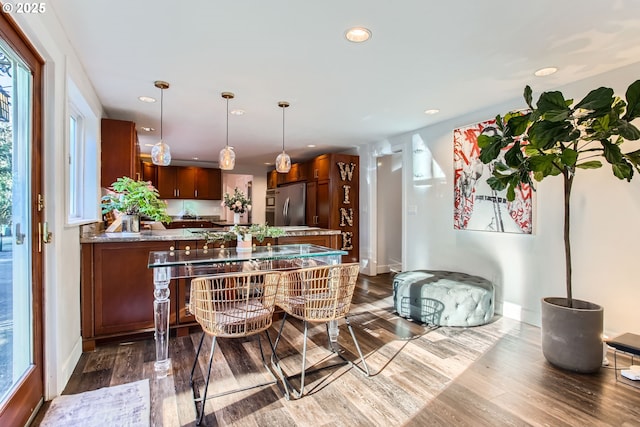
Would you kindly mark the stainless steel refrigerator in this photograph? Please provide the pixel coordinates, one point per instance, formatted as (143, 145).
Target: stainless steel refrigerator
(290, 204)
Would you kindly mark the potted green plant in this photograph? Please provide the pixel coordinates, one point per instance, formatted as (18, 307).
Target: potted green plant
(133, 199)
(556, 138)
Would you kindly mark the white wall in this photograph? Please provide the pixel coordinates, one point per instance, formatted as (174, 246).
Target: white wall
(63, 343)
(389, 213)
(524, 268)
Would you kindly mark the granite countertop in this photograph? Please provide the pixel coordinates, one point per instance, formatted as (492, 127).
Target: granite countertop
(213, 218)
(188, 234)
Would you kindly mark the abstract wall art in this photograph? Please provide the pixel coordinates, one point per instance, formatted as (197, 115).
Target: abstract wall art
(476, 205)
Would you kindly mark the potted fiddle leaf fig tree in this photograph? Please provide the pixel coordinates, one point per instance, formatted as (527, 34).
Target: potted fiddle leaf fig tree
(557, 138)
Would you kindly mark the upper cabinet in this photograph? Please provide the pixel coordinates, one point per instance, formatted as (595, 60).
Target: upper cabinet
(187, 182)
(297, 173)
(208, 184)
(176, 182)
(120, 151)
(272, 179)
(320, 167)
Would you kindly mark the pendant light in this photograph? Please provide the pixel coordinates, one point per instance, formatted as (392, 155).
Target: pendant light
(227, 158)
(283, 161)
(161, 153)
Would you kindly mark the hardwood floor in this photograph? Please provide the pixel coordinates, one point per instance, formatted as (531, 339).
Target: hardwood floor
(491, 375)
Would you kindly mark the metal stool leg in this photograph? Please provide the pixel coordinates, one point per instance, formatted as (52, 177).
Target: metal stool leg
(195, 361)
(275, 361)
(203, 399)
(304, 359)
(355, 341)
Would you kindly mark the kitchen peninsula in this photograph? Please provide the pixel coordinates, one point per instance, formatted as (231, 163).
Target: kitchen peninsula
(116, 285)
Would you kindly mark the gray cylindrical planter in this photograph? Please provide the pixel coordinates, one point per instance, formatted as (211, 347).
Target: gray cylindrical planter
(572, 337)
(130, 223)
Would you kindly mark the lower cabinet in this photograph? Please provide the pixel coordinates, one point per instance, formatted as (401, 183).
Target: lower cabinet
(117, 290)
(329, 241)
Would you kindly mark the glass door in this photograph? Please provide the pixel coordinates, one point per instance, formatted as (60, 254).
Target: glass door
(21, 379)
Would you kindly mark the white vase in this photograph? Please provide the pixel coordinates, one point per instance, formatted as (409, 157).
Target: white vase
(236, 218)
(244, 245)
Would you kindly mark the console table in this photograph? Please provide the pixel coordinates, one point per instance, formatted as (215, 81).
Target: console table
(169, 265)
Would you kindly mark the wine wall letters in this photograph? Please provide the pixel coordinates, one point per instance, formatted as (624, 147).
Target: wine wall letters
(346, 210)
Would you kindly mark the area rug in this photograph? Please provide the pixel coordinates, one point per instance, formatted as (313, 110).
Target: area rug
(122, 405)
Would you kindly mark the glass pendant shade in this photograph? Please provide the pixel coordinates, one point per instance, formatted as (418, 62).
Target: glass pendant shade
(227, 158)
(283, 163)
(161, 154)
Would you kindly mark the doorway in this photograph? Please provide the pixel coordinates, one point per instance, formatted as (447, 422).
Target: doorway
(389, 213)
(244, 183)
(21, 354)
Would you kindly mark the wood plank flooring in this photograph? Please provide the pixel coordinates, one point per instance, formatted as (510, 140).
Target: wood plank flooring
(492, 375)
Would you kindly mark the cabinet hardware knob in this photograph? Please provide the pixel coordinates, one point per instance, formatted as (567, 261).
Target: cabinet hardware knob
(187, 248)
(172, 248)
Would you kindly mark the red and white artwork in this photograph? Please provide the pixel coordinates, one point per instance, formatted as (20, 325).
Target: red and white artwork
(476, 205)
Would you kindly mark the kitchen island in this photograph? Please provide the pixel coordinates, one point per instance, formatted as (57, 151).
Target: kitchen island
(116, 285)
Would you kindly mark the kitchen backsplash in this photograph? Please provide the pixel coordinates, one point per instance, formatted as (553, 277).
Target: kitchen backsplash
(177, 208)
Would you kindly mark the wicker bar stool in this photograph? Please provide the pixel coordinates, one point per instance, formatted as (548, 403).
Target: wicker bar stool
(318, 295)
(232, 305)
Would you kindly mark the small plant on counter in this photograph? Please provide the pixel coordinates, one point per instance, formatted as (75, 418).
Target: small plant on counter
(238, 202)
(133, 197)
(262, 231)
(257, 231)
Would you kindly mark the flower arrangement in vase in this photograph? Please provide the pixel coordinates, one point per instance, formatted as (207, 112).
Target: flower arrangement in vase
(238, 203)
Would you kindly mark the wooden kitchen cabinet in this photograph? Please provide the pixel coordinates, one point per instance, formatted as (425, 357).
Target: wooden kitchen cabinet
(167, 182)
(318, 203)
(117, 290)
(150, 173)
(320, 168)
(208, 184)
(329, 241)
(177, 182)
(120, 153)
(297, 173)
(272, 179)
(187, 182)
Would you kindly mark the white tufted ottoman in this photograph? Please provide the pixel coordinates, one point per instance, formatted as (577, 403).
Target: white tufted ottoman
(443, 298)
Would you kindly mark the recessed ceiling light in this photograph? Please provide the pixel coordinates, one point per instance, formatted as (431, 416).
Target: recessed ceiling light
(311, 145)
(194, 158)
(432, 111)
(146, 99)
(236, 112)
(149, 145)
(545, 71)
(147, 129)
(267, 163)
(358, 34)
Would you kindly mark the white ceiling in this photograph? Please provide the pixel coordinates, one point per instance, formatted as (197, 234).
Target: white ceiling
(455, 55)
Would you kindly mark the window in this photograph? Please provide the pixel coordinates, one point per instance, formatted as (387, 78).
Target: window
(81, 159)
